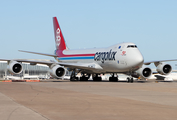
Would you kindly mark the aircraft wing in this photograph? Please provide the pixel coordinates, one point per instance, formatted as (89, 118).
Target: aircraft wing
(33, 62)
(83, 66)
(5, 60)
(51, 55)
(158, 61)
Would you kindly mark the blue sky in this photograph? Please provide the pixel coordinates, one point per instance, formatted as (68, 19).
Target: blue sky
(27, 25)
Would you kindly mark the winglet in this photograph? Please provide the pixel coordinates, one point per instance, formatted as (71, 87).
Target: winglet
(59, 39)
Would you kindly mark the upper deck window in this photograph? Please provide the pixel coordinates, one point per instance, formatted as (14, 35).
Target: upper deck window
(131, 46)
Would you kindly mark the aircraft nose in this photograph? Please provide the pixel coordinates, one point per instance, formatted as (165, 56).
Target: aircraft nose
(139, 60)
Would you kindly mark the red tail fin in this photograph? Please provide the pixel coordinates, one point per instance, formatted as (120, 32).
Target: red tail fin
(59, 39)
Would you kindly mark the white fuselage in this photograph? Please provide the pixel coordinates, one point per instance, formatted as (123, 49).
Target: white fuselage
(119, 58)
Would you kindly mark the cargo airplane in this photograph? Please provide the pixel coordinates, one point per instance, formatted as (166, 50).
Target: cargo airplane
(119, 58)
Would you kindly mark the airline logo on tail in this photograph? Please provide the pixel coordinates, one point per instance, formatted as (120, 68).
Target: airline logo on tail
(58, 38)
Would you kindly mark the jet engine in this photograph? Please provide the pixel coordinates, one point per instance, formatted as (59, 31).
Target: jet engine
(57, 71)
(15, 67)
(163, 68)
(144, 72)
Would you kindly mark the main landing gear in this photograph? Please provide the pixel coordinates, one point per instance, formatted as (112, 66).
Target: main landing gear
(73, 76)
(113, 78)
(85, 77)
(96, 78)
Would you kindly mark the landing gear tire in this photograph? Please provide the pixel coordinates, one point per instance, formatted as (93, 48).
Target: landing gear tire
(74, 79)
(113, 79)
(96, 78)
(84, 78)
(130, 80)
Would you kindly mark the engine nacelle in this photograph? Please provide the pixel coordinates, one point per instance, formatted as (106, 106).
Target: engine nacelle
(163, 68)
(57, 71)
(15, 67)
(144, 72)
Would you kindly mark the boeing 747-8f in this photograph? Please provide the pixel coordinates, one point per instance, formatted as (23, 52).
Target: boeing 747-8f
(119, 58)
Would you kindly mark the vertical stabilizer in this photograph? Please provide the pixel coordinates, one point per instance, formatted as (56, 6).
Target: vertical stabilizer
(59, 39)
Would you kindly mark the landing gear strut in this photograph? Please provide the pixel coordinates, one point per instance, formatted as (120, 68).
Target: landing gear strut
(73, 76)
(113, 79)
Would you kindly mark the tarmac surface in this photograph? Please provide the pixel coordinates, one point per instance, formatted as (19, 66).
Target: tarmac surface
(65, 100)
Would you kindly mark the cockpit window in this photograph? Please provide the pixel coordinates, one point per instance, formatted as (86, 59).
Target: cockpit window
(131, 46)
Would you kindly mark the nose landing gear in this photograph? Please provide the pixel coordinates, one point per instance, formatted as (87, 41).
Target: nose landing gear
(130, 79)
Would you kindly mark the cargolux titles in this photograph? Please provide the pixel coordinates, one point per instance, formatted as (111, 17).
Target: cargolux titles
(104, 56)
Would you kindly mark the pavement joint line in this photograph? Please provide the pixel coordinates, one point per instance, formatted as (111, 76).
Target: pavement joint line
(22, 106)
